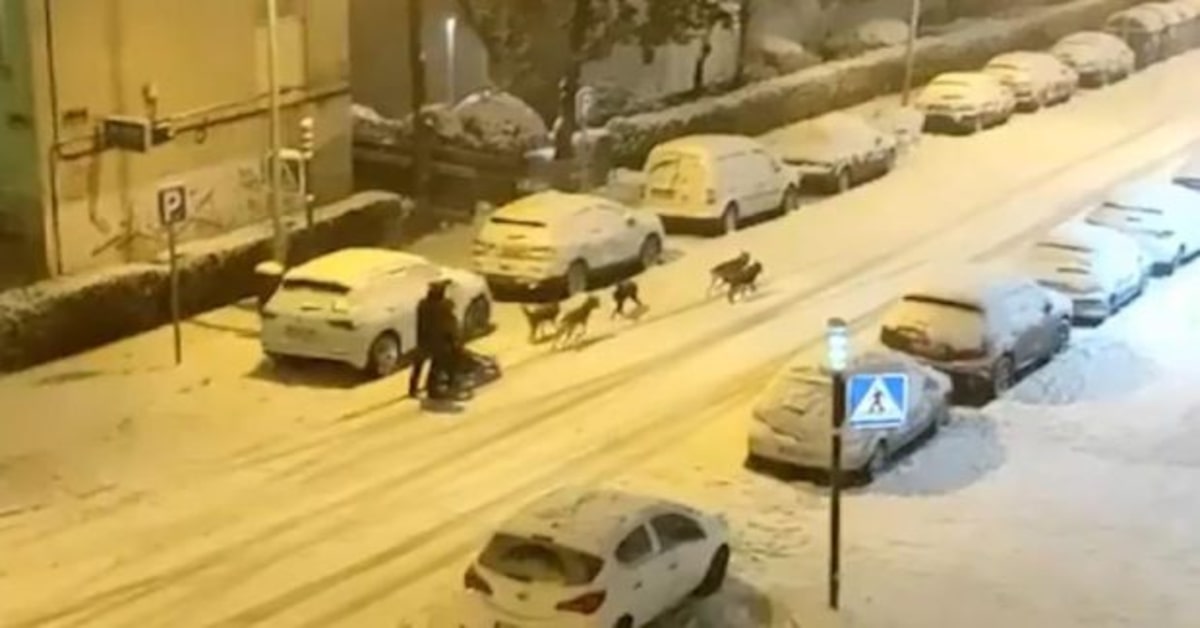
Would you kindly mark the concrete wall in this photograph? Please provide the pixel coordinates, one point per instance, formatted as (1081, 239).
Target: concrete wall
(21, 254)
(379, 55)
(200, 65)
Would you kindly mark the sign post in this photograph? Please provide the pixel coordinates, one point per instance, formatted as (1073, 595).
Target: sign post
(585, 99)
(172, 210)
(838, 344)
(308, 150)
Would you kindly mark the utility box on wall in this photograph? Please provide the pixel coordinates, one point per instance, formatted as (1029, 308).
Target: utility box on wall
(138, 135)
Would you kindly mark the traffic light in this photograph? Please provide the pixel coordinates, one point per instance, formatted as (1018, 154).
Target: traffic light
(308, 143)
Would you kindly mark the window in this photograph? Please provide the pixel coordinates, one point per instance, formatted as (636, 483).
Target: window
(674, 530)
(315, 286)
(537, 560)
(516, 222)
(635, 548)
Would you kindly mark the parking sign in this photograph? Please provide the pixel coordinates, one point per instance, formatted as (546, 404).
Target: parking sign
(172, 204)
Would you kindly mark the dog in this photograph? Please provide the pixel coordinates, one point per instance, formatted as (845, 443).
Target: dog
(744, 281)
(625, 291)
(541, 317)
(720, 274)
(574, 323)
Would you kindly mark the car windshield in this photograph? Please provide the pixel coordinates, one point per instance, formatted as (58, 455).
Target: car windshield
(537, 560)
(932, 327)
(311, 285)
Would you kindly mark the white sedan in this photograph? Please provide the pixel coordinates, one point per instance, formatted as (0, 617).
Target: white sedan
(1098, 58)
(358, 306)
(836, 151)
(594, 558)
(1163, 217)
(965, 102)
(1037, 79)
(564, 240)
(1099, 269)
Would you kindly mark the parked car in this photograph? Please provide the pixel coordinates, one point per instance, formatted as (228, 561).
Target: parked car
(1188, 175)
(358, 306)
(595, 558)
(1099, 269)
(1098, 58)
(717, 181)
(791, 422)
(965, 102)
(1144, 30)
(835, 152)
(981, 326)
(563, 241)
(1163, 218)
(901, 122)
(1036, 79)
(1177, 17)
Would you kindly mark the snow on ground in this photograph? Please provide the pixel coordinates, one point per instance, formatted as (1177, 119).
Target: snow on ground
(224, 492)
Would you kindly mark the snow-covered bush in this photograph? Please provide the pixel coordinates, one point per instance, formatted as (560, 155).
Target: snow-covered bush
(868, 35)
(500, 122)
(771, 56)
(759, 107)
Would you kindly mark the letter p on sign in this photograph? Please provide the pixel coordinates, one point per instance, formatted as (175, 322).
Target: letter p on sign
(172, 204)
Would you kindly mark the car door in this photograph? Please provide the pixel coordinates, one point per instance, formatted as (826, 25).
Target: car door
(1038, 312)
(587, 234)
(1020, 321)
(628, 231)
(643, 585)
(684, 549)
(606, 231)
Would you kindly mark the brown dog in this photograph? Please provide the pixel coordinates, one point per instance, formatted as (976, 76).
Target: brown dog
(573, 325)
(720, 274)
(541, 317)
(744, 281)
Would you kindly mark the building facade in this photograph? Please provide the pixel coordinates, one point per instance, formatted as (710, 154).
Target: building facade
(198, 72)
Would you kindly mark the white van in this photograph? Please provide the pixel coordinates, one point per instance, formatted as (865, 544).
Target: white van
(717, 181)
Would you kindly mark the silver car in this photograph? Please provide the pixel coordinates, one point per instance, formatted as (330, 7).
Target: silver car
(792, 422)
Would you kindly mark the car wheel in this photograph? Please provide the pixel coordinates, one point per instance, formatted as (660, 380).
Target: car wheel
(878, 462)
(1062, 336)
(791, 200)
(730, 219)
(576, 278)
(477, 319)
(651, 252)
(1003, 373)
(714, 578)
(280, 360)
(384, 358)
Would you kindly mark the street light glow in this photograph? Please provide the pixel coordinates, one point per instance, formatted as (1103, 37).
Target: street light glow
(838, 344)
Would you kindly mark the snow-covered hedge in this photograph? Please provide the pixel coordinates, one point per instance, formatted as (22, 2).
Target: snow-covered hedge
(59, 317)
(488, 121)
(762, 106)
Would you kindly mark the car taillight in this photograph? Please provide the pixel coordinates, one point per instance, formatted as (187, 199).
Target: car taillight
(584, 604)
(342, 324)
(475, 582)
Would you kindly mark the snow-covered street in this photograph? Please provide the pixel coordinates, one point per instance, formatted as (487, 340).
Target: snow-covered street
(224, 493)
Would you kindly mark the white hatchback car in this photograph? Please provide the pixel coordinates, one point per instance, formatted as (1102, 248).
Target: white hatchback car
(835, 151)
(1099, 269)
(552, 238)
(1162, 217)
(358, 306)
(965, 102)
(717, 181)
(594, 558)
(1037, 79)
(1098, 58)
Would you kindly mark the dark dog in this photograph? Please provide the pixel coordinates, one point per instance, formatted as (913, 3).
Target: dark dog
(744, 281)
(720, 274)
(541, 317)
(625, 292)
(574, 323)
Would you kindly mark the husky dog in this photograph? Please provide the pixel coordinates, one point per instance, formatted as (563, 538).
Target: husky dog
(744, 281)
(719, 275)
(625, 291)
(574, 323)
(541, 317)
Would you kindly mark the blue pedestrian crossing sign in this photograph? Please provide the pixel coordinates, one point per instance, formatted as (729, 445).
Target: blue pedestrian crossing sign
(877, 401)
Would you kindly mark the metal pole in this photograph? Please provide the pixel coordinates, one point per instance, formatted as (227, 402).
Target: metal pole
(910, 55)
(174, 267)
(451, 60)
(585, 146)
(835, 482)
(276, 131)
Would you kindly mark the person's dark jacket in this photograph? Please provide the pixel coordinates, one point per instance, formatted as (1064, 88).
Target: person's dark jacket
(447, 335)
(429, 311)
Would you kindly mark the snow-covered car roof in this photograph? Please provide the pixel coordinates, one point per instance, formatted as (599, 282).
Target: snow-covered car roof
(587, 519)
(704, 144)
(971, 284)
(1025, 59)
(1155, 194)
(831, 136)
(353, 267)
(548, 207)
(1079, 234)
(1091, 39)
(958, 83)
(1171, 13)
(1148, 18)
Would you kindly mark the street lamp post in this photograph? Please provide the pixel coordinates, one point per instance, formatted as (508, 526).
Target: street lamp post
(451, 59)
(838, 344)
(910, 54)
(274, 163)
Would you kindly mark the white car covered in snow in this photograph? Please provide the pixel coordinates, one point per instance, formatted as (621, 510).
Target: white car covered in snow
(717, 181)
(594, 558)
(836, 151)
(981, 326)
(965, 102)
(1036, 79)
(1162, 217)
(791, 421)
(1099, 269)
(1098, 58)
(564, 240)
(358, 306)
